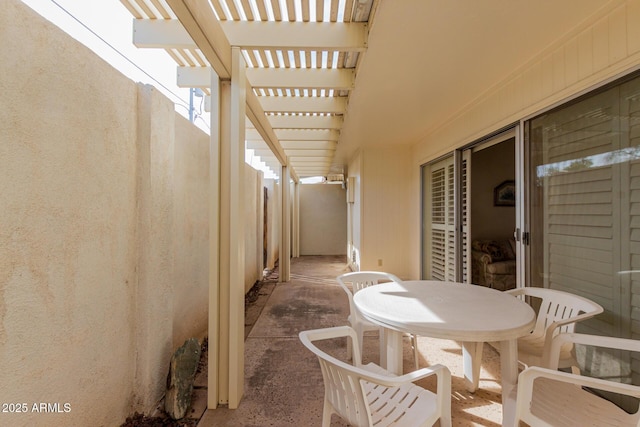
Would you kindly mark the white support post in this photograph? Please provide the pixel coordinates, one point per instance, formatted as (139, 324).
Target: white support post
(295, 229)
(214, 243)
(285, 228)
(226, 312)
(236, 228)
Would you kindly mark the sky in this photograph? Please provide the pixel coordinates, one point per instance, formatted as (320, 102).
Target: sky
(113, 27)
(106, 27)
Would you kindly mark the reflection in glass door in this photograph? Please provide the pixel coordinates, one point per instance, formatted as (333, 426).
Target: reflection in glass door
(584, 185)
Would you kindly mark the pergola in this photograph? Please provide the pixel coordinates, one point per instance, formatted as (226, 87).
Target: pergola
(277, 76)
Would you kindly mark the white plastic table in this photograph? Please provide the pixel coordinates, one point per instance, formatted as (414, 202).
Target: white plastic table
(469, 314)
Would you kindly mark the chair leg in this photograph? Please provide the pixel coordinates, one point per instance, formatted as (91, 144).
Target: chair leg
(360, 333)
(327, 411)
(414, 346)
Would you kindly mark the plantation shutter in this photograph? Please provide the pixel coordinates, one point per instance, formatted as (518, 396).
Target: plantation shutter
(443, 265)
(466, 202)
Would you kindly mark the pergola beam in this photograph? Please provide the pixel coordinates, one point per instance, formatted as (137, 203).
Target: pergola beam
(309, 145)
(204, 28)
(294, 78)
(320, 36)
(302, 78)
(305, 122)
(290, 104)
(307, 135)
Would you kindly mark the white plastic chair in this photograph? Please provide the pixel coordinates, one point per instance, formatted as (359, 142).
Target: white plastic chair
(371, 396)
(360, 280)
(559, 312)
(547, 397)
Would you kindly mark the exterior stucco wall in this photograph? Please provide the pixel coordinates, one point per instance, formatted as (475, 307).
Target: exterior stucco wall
(603, 48)
(253, 207)
(323, 219)
(67, 226)
(354, 213)
(385, 197)
(191, 290)
(273, 222)
(103, 230)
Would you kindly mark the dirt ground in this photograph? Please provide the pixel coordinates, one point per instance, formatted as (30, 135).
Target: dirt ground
(163, 420)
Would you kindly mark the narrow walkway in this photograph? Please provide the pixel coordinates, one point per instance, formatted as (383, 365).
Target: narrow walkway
(283, 382)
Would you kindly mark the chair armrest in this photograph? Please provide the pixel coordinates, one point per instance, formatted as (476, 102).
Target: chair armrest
(378, 375)
(549, 358)
(526, 378)
(529, 375)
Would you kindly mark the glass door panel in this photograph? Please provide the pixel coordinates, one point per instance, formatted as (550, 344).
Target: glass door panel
(584, 188)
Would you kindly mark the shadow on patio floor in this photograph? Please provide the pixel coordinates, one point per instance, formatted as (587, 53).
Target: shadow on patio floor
(283, 382)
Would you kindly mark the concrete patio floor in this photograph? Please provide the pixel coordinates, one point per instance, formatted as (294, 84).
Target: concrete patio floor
(283, 382)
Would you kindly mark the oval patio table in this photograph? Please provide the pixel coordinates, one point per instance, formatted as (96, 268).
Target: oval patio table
(466, 313)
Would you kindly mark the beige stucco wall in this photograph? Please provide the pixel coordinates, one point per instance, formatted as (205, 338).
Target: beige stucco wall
(67, 226)
(385, 197)
(323, 219)
(603, 48)
(354, 212)
(378, 226)
(192, 231)
(103, 230)
(253, 206)
(273, 222)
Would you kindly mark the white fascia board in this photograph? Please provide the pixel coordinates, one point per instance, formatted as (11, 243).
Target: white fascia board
(301, 78)
(307, 135)
(309, 153)
(308, 161)
(161, 33)
(320, 36)
(309, 145)
(313, 172)
(291, 104)
(305, 122)
(258, 144)
(339, 79)
(193, 77)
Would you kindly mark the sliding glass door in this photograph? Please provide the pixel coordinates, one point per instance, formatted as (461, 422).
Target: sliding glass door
(584, 191)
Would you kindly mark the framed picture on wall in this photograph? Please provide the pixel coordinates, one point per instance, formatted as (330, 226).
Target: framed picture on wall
(505, 194)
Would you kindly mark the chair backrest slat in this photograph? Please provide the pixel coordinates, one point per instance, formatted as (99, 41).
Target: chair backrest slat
(556, 306)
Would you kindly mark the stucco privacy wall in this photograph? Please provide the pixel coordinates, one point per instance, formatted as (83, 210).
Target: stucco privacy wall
(68, 226)
(323, 219)
(354, 213)
(253, 206)
(192, 232)
(103, 230)
(602, 48)
(273, 222)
